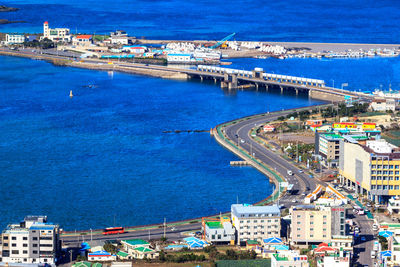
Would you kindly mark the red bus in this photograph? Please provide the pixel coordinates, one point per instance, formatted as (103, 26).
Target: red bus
(113, 230)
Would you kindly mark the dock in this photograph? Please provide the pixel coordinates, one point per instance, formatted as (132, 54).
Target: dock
(239, 163)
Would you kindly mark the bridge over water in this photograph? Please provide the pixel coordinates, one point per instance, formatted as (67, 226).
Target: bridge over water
(233, 79)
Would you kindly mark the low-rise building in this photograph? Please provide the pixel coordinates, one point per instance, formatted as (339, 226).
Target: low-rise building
(101, 255)
(289, 258)
(180, 58)
(82, 40)
(31, 241)
(333, 261)
(383, 104)
(219, 232)
(14, 38)
(394, 205)
(120, 40)
(255, 222)
(139, 249)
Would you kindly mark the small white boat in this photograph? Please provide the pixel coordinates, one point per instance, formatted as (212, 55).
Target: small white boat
(70, 94)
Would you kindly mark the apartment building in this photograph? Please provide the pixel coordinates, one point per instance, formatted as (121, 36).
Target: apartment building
(316, 224)
(34, 240)
(327, 146)
(255, 222)
(14, 38)
(57, 34)
(372, 169)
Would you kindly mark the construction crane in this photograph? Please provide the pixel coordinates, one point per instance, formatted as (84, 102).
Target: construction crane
(223, 41)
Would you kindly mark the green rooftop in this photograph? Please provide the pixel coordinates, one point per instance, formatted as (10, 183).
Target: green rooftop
(280, 258)
(82, 264)
(214, 225)
(122, 254)
(332, 136)
(144, 249)
(136, 242)
(97, 264)
(252, 242)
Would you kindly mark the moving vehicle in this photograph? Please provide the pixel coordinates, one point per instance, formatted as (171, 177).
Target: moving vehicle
(375, 227)
(173, 229)
(289, 172)
(113, 230)
(373, 254)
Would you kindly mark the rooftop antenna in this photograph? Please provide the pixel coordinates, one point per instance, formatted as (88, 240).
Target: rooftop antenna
(237, 199)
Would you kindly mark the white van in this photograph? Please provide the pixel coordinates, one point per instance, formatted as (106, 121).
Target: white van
(373, 254)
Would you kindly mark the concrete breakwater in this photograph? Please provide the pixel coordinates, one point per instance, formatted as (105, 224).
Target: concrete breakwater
(104, 66)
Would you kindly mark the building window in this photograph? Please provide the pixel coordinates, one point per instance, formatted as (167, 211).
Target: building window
(378, 187)
(311, 236)
(390, 166)
(385, 167)
(13, 238)
(396, 187)
(378, 177)
(5, 237)
(390, 172)
(24, 238)
(373, 166)
(397, 178)
(262, 221)
(323, 235)
(385, 187)
(391, 187)
(298, 235)
(219, 236)
(34, 245)
(298, 229)
(13, 245)
(34, 238)
(311, 222)
(14, 252)
(24, 252)
(255, 221)
(373, 186)
(396, 167)
(25, 245)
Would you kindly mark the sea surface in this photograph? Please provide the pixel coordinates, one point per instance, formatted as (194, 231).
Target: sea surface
(102, 156)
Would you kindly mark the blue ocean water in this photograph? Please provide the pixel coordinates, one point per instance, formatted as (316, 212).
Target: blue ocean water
(364, 21)
(103, 153)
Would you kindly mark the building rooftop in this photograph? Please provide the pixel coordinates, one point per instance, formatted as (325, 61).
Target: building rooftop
(241, 210)
(214, 225)
(143, 249)
(136, 242)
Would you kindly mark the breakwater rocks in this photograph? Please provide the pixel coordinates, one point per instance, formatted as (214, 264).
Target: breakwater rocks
(7, 8)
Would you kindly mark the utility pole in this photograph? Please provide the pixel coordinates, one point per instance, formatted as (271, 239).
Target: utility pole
(165, 225)
(91, 235)
(297, 151)
(149, 234)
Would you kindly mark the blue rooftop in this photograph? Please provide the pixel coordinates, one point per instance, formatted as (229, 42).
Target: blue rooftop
(246, 210)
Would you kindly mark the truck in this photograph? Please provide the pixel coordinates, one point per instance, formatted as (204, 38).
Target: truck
(289, 172)
(376, 246)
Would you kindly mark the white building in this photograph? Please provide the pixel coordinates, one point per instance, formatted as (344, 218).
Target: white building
(101, 256)
(380, 146)
(394, 205)
(82, 40)
(255, 222)
(383, 104)
(57, 34)
(179, 58)
(31, 241)
(120, 40)
(219, 232)
(14, 38)
(333, 261)
(289, 258)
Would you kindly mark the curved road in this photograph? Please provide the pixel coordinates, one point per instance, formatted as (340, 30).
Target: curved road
(239, 133)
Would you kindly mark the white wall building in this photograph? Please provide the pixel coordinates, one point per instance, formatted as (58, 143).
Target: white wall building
(57, 34)
(172, 57)
(31, 241)
(289, 258)
(14, 38)
(255, 222)
(383, 104)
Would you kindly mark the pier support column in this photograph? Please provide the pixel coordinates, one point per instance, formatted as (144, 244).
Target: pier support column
(281, 89)
(266, 87)
(256, 86)
(215, 80)
(201, 78)
(224, 84)
(297, 91)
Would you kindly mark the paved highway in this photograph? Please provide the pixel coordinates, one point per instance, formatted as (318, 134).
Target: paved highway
(174, 233)
(239, 133)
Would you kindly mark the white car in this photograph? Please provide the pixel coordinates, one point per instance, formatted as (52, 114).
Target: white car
(173, 229)
(294, 201)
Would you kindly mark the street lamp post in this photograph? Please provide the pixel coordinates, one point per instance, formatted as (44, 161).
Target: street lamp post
(333, 83)
(91, 235)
